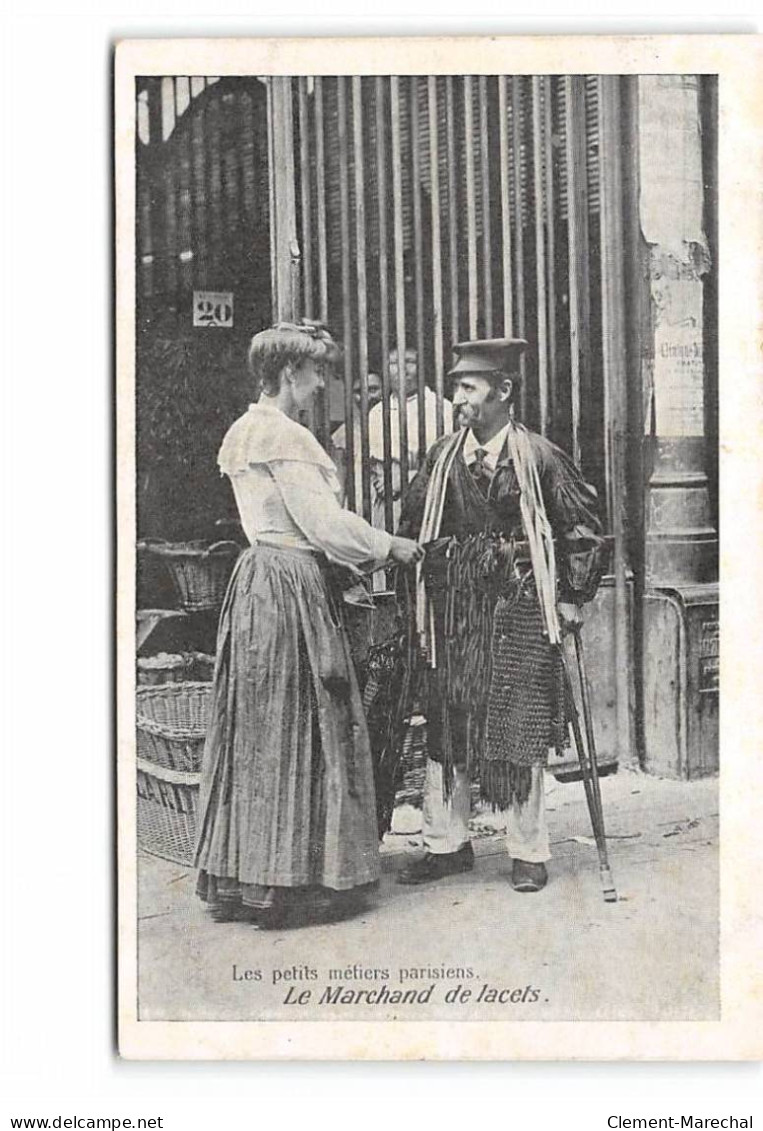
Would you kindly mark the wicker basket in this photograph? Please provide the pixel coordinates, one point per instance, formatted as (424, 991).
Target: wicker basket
(200, 571)
(171, 721)
(167, 806)
(202, 667)
(180, 668)
(163, 668)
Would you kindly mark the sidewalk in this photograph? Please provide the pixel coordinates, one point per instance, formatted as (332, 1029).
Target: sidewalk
(651, 956)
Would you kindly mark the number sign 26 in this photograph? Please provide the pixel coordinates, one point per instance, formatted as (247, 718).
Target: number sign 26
(213, 308)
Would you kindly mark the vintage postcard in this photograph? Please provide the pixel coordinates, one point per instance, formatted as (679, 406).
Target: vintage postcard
(437, 367)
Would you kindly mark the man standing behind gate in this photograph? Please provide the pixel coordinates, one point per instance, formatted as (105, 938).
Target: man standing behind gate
(514, 549)
(404, 379)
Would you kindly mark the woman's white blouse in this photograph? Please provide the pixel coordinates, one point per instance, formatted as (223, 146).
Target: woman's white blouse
(287, 490)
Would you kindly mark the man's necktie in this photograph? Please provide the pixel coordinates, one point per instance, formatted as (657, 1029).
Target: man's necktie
(480, 471)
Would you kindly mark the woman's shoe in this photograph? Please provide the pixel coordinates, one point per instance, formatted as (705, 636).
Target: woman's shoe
(233, 912)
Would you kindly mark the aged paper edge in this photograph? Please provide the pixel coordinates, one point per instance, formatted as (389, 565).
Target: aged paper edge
(738, 60)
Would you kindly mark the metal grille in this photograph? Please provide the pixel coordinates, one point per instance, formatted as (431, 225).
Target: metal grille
(434, 209)
(202, 169)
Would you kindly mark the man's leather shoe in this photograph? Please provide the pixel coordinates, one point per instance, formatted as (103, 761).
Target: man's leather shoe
(434, 866)
(528, 877)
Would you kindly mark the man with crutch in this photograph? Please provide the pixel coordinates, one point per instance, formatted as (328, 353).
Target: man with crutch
(514, 550)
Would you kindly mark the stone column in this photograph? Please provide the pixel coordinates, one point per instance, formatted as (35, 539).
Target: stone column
(681, 543)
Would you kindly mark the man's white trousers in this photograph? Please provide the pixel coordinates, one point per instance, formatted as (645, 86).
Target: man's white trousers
(446, 823)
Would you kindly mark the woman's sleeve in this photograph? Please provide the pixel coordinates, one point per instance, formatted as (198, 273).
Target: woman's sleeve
(342, 536)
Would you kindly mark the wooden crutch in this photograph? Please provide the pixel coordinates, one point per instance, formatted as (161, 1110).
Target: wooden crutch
(588, 762)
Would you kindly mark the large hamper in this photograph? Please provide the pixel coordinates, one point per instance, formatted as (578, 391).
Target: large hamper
(200, 571)
(167, 805)
(171, 726)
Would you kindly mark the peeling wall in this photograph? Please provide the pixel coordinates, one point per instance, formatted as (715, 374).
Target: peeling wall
(671, 206)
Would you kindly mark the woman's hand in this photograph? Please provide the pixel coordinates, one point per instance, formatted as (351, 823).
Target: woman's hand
(405, 551)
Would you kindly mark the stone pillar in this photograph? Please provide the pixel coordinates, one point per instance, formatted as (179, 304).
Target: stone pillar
(681, 543)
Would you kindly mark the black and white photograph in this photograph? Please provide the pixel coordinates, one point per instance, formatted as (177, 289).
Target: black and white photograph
(418, 537)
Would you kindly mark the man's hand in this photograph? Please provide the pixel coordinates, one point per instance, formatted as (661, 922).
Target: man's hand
(570, 616)
(406, 551)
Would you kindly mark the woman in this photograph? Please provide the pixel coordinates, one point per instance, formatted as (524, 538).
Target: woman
(287, 808)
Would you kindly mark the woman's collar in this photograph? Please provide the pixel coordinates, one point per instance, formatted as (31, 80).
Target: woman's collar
(264, 406)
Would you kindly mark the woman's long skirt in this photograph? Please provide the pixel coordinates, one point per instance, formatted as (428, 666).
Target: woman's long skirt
(287, 794)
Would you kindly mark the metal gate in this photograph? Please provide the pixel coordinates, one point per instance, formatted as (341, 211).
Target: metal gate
(202, 188)
(418, 211)
(202, 226)
(431, 209)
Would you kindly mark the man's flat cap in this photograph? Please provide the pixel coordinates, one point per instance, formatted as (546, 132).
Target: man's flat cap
(489, 355)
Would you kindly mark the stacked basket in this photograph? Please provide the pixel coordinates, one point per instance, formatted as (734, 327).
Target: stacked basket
(173, 703)
(171, 726)
(200, 571)
(168, 668)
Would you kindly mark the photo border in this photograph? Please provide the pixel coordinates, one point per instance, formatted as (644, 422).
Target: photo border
(738, 61)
